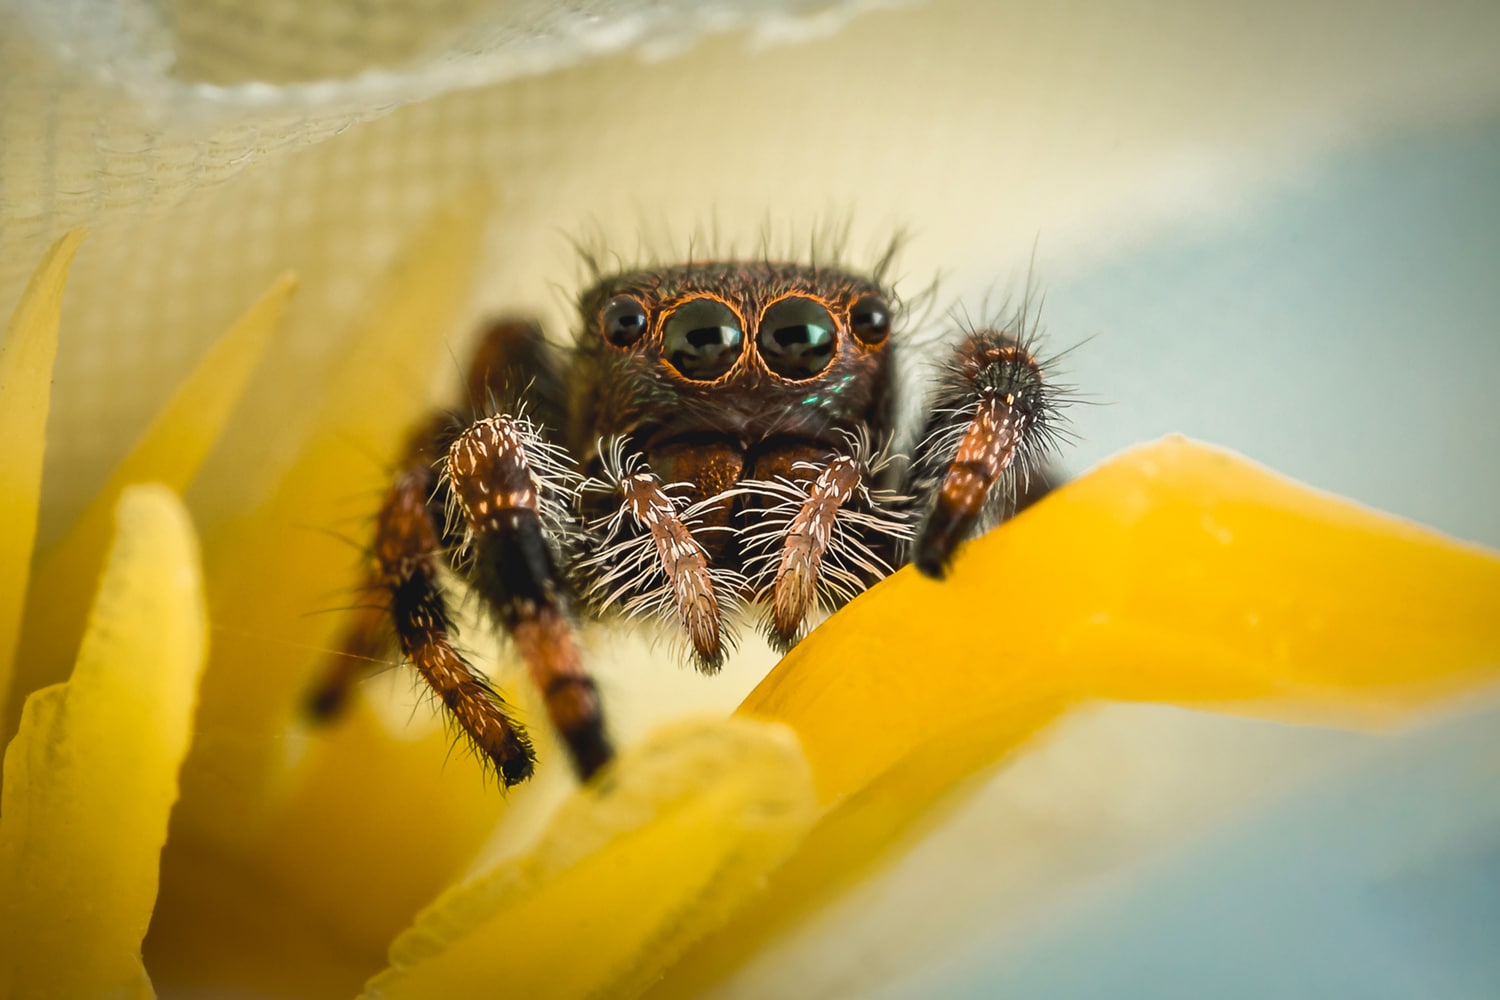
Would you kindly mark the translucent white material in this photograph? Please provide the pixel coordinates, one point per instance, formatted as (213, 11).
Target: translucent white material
(210, 145)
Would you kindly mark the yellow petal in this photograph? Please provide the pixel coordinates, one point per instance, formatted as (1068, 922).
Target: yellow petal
(424, 816)
(374, 828)
(25, 394)
(352, 829)
(169, 452)
(853, 836)
(1174, 573)
(631, 871)
(271, 576)
(92, 774)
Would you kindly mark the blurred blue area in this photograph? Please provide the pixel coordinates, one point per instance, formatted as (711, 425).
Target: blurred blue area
(1347, 333)
(1380, 882)
(1344, 330)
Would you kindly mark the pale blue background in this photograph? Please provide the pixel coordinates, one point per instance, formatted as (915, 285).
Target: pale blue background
(1347, 333)
(1380, 884)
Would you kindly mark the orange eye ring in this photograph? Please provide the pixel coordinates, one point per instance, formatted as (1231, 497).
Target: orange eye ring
(798, 337)
(702, 339)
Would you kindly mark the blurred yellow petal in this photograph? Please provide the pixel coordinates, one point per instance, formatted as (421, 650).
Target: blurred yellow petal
(1175, 573)
(358, 825)
(26, 358)
(376, 826)
(271, 574)
(404, 808)
(632, 870)
(169, 452)
(92, 774)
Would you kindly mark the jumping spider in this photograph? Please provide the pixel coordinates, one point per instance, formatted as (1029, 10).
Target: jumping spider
(720, 433)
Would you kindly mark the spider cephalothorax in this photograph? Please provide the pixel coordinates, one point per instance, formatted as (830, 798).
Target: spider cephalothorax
(721, 434)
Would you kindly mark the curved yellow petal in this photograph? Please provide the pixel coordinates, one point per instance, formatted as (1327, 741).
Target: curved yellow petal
(92, 774)
(633, 869)
(1177, 573)
(26, 358)
(169, 452)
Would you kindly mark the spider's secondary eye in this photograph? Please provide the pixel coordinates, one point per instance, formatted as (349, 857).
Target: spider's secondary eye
(623, 320)
(870, 319)
(702, 339)
(797, 338)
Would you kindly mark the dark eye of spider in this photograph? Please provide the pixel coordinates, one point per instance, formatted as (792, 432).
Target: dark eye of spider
(702, 339)
(870, 319)
(797, 338)
(624, 320)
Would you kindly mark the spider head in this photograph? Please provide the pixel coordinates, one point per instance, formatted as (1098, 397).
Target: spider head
(748, 349)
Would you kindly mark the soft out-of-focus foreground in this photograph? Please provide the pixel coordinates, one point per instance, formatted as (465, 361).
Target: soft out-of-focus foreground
(1265, 226)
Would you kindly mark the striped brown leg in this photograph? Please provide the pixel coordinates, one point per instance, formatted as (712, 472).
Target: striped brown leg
(367, 640)
(643, 559)
(406, 548)
(818, 532)
(511, 357)
(364, 643)
(804, 546)
(498, 473)
(994, 423)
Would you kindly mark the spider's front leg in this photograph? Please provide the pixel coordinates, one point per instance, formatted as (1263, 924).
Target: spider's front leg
(406, 548)
(994, 422)
(511, 353)
(503, 476)
(643, 556)
(819, 530)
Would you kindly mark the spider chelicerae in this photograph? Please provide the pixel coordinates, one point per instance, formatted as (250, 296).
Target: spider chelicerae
(720, 434)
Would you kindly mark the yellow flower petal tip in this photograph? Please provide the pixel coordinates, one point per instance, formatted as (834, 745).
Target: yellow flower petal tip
(91, 775)
(1174, 572)
(26, 357)
(633, 868)
(171, 451)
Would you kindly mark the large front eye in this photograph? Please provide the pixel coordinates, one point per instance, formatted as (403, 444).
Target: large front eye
(797, 338)
(702, 339)
(623, 320)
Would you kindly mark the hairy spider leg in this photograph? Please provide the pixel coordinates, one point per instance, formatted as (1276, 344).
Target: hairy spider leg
(514, 570)
(511, 357)
(806, 541)
(367, 638)
(683, 561)
(818, 532)
(405, 548)
(641, 556)
(364, 642)
(991, 421)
